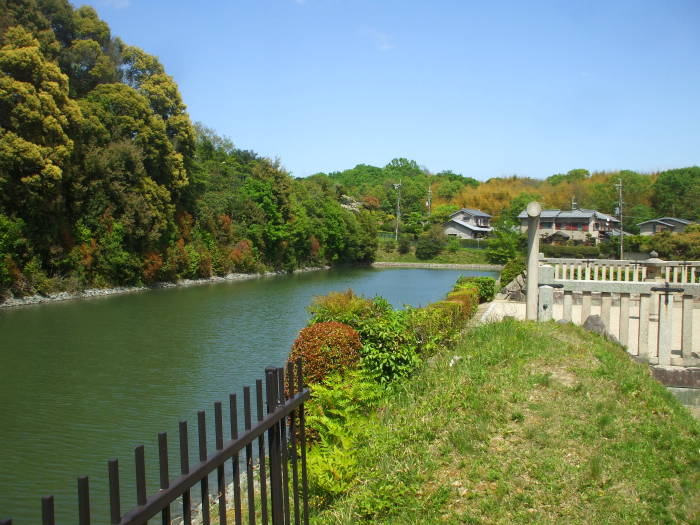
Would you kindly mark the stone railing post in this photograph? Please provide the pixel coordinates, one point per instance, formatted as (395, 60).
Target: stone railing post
(545, 303)
(533, 248)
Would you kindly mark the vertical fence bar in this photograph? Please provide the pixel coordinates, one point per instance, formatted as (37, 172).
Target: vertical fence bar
(605, 304)
(114, 510)
(643, 341)
(249, 457)
(140, 468)
(273, 440)
(285, 447)
(291, 386)
(204, 484)
(47, 511)
(624, 324)
(235, 460)
(687, 341)
(302, 439)
(164, 472)
(665, 328)
(83, 500)
(568, 306)
(261, 452)
(185, 469)
(585, 306)
(220, 474)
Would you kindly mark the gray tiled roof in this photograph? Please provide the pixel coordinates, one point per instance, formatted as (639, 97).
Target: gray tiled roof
(471, 211)
(664, 221)
(470, 226)
(571, 214)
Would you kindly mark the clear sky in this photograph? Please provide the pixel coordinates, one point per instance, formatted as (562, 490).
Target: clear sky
(485, 88)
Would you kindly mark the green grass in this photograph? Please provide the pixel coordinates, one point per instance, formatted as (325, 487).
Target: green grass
(461, 256)
(537, 423)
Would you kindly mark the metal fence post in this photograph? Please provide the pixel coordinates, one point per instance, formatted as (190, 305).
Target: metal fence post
(273, 437)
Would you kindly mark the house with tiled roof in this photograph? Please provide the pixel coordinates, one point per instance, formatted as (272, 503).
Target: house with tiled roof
(468, 223)
(663, 224)
(575, 225)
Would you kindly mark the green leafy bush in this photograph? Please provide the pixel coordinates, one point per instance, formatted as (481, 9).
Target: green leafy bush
(468, 297)
(388, 347)
(486, 286)
(504, 245)
(404, 244)
(326, 348)
(346, 307)
(575, 252)
(431, 243)
(512, 269)
(435, 325)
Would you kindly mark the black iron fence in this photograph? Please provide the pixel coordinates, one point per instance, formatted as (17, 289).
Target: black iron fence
(276, 497)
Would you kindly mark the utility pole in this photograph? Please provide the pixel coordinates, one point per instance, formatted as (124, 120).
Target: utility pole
(430, 199)
(619, 214)
(397, 187)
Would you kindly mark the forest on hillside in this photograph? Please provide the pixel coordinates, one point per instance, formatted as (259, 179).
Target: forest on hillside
(104, 180)
(645, 195)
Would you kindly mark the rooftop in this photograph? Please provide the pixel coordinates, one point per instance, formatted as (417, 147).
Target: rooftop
(471, 211)
(571, 214)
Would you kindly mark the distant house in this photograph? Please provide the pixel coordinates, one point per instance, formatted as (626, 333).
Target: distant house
(575, 225)
(664, 224)
(468, 223)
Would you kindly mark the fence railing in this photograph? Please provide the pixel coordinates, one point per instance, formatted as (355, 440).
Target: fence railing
(278, 498)
(654, 320)
(616, 270)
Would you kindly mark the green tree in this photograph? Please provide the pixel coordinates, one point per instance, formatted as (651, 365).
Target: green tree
(37, 123)
(676, 193)
(431, 243)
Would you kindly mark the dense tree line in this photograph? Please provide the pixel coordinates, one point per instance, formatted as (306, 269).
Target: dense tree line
(104, 179)
(669, 193)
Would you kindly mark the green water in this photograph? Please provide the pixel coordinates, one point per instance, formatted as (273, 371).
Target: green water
(85, 381)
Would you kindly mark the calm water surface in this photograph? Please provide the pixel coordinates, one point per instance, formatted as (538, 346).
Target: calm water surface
(85, 381)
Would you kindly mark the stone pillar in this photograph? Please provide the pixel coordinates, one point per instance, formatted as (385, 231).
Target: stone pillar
(643, 342)
(665, 328)
(533, 248)
(546, 303)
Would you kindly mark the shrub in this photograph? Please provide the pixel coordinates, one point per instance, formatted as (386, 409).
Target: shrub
(453, 245)
(388, 347)
(326, 348)
(404, 244)
(468, 297)
(512, 269)
(580, 252)
(346, 307)
(431, 243)
(504, 244)
(389, 246)
(435, 325)
(486, 286)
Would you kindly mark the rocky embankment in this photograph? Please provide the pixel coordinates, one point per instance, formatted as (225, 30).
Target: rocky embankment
(10, 302)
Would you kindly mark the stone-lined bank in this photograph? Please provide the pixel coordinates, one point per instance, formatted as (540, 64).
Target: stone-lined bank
(120, 290)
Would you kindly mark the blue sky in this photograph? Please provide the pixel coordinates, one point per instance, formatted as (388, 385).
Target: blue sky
(482, 88)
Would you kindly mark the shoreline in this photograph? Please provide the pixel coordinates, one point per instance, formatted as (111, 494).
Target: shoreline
(16, 302)
(437, 266)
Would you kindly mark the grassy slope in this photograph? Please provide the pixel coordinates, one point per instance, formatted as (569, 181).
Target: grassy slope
(461, 256)
(537, 423)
